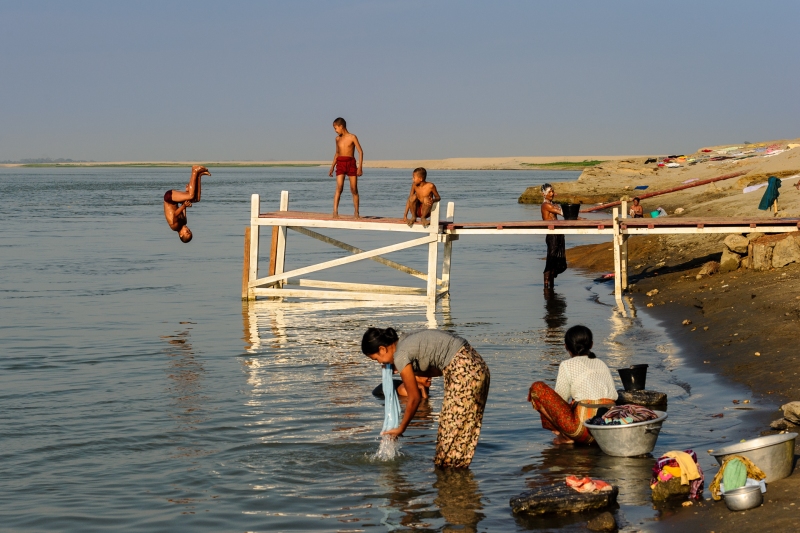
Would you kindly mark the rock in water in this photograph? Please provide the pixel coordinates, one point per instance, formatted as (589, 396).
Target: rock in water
(786, 251)
(729, 261)
(561, 499)
(666, 490)
(791, 412)
(646, 398)
(603, 522)
(736, 244)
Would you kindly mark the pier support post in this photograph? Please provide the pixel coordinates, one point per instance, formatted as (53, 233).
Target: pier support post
(624, 250)
(433, 255)
(252, 270)
(246, 263)
(280, 244)
(617, 258)
(448, 249)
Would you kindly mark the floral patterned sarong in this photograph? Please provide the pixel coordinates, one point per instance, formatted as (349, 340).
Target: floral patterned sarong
(466, 386)
(567, 419)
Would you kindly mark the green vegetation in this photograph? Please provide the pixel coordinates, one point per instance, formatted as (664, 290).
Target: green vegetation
(564, 165)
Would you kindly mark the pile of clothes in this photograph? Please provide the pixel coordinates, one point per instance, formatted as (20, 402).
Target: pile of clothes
(586, 484)
(684, 465)
(736, 471)
(621, 415)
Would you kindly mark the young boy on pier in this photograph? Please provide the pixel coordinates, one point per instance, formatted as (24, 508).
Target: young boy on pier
(420, 201)
(345, 164)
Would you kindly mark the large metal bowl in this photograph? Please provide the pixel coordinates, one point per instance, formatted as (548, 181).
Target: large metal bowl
(774, 454)
(743, 498)
(628, 440)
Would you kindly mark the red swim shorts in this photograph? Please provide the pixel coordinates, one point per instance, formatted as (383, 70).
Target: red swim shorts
(346, 166)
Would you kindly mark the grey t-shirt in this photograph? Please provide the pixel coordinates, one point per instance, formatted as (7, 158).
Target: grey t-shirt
(426, 348)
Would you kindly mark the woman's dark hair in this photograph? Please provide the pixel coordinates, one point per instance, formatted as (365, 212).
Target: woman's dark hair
(579, 341)
(374, 338)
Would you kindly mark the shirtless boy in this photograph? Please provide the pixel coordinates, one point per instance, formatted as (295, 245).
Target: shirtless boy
(556, 247)
(174, 212)
(637, 211)
(420, 201)
(345, 164)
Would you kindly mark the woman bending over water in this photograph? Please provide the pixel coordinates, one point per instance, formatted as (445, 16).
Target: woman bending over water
(431, 353)
(582, 377)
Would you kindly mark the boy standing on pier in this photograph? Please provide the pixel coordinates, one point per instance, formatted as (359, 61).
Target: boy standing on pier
(345, 164)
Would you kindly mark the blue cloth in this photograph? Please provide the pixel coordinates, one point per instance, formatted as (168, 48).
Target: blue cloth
(391, 403)
(771, 193)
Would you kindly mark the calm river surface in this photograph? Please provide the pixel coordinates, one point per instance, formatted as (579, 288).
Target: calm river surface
(137, 393)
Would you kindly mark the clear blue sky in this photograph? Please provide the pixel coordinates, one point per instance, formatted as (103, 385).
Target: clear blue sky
(206, 80)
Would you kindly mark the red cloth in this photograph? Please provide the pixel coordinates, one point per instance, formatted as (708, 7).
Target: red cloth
(558, 415)
(346, 166)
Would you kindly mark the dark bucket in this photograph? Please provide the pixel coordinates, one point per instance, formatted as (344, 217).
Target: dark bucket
(570, 211)
(633, 378)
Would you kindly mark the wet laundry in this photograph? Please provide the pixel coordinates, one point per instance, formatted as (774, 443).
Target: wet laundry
(587, 484)
(752, 471)
(771, 194)
(391, 404)
(622, 415)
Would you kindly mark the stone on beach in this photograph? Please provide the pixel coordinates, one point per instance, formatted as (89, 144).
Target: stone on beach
(791, 412)
(737, 243)
(786, 251)
(729, 261)
(652, 293)
(561, 499)
(709, 269)
(666, 490)
(602, 522)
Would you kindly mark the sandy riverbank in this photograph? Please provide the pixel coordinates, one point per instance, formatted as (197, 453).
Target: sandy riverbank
(577, 162)
(733, 316)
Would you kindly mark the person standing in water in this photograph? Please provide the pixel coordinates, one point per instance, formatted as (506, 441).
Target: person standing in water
(345, 164)
(432, 353)
(176, 202)
(584, 379)
(556, 246)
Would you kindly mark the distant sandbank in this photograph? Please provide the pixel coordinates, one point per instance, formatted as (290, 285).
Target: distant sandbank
(571, 162)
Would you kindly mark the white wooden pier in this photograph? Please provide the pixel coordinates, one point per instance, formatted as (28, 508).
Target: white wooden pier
(279, 283)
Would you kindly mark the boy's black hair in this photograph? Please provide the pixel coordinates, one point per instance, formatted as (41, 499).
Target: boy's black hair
(421, 171)
(374, 338)
(579, 341)
(637, 198)
(340, 122)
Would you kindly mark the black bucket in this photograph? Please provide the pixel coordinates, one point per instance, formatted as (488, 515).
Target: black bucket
(633, 378)
(570, 211)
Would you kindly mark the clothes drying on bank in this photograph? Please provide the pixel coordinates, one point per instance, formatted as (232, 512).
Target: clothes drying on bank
(669, 466)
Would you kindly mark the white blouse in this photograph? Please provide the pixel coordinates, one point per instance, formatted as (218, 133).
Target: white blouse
(581, 378)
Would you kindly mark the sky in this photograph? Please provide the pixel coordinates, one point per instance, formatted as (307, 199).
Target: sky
(263, 80)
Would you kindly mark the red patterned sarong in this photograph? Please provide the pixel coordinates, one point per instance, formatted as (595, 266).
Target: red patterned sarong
(567, 419)
(346, 166)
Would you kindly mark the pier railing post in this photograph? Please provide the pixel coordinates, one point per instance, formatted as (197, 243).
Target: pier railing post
(624, 250)
(448, 249)
(433, 255)
(280, 248)
(617, 257)
(255, 210)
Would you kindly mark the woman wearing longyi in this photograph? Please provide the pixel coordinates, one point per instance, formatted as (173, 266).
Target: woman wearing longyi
(432, 353)
(582, 378)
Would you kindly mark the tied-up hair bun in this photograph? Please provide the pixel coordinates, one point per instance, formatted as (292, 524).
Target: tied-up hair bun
(375, 338)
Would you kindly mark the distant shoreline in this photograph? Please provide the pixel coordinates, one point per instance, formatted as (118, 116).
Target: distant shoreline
(464, 163)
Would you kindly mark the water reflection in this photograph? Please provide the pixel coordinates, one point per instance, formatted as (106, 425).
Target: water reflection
(458, 499)
(186, 374)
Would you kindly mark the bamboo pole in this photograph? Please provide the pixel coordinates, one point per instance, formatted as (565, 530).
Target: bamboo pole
(671, 189)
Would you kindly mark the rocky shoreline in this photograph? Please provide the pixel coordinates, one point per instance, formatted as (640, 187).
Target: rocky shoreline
(740, 316)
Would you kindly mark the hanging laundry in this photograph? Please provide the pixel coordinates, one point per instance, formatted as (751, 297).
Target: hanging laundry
(771, 193)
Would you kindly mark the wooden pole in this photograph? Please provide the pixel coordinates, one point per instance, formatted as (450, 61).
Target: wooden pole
(448, 249)
(273, 251)
(624, 250)
(246, 264)
(280, 247)
(252, 272)
(433, 255)
(617, 256)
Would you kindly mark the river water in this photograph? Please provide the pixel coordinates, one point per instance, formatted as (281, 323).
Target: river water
(139, 394)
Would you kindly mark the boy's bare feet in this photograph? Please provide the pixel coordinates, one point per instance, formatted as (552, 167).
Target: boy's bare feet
(410, 222)
(426, 222)
(335, 214)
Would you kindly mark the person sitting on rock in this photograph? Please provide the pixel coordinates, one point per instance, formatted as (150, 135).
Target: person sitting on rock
(585, 379)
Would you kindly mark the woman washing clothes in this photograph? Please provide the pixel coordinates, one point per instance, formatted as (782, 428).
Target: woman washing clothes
(431, 353)
(582, 378)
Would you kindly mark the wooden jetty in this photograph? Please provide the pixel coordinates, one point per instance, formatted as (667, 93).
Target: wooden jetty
(442, 230)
